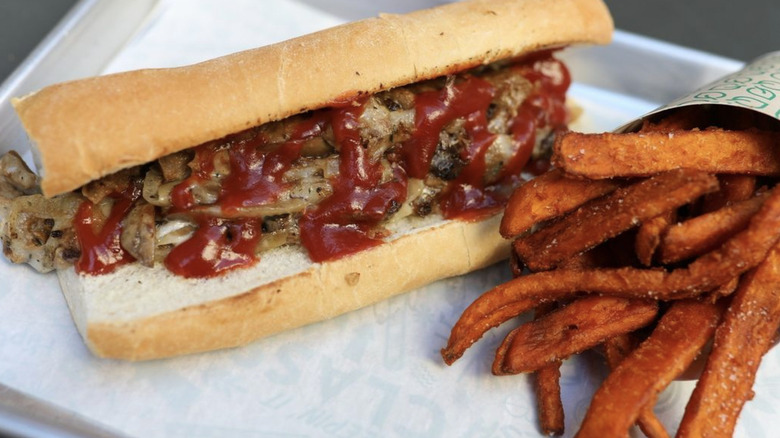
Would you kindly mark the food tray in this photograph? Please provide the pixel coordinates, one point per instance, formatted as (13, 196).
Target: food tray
(373, 372)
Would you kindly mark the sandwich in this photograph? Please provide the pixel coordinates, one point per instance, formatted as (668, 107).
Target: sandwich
(202, 207)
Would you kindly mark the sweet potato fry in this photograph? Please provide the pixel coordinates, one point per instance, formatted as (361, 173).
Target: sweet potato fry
(673, 345)
(737, 255)
(583, 324)
(598, 257)
(548, 398)
(649, 423)
(467, 332)
(648, 237)
(547, 196)
(609, 216)
(641, 154)
(747, 331)
(617, 348)
(723, 290)
(733, 188)
(703, 233)
(548, 388)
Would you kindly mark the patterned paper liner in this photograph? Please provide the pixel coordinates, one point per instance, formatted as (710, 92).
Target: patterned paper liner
(756, 87)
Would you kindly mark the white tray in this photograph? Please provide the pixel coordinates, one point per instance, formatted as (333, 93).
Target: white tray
(375, 371)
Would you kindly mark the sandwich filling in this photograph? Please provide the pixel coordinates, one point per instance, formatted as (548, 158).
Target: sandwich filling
(330, 180)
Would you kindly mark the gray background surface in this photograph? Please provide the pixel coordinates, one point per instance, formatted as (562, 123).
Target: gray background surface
(736, 29)
(23, 24)
(740, 30)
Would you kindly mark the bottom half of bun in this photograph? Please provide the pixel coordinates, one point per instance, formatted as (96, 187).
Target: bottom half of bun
(138, 313)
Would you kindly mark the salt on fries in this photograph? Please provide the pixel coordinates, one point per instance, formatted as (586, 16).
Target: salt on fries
(646, 153)
(647, 244)
(746, 334)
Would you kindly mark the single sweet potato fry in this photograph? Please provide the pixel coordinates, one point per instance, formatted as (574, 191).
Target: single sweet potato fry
(648, 237)
(617, 348)
(583, 324)
(547, 196)
(493, 307)
(548, 388)
(609, 216)
(637, 380)
(746, 334)
(611, 155)
(723, 290)
(733, 188)
(548, 398)
(705, 232)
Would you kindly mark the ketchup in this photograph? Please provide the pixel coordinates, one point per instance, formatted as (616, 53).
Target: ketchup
(467, 197)
(181, 195)
(256, 176)
(433, 111)
(217, 246)
(344, 222)
(255, 179)
(101, 251)
(545, 108)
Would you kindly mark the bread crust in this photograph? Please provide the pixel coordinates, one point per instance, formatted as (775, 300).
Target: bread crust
(318, 292)
(107, 123)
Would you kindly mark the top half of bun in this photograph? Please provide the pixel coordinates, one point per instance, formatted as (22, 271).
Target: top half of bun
(85, 129)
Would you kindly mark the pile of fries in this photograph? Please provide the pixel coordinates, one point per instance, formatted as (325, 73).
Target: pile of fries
(647, 246)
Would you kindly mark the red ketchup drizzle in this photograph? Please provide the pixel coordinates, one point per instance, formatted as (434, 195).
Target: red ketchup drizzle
(181, 195)
(255, 172)
(256, 176)
(433, 111)
(546, 107)
(101, 251)
(218, 245)
(467, 197)
(344, 223)
(255, 179)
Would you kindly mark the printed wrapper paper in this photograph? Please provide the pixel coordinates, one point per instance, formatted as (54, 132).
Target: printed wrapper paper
(756, 87)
